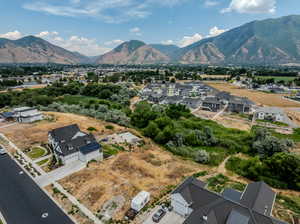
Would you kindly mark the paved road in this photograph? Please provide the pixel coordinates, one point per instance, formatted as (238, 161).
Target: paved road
(22, 201)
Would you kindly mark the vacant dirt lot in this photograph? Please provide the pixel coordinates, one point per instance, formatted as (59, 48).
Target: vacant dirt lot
(26, 135)
(149, 168)
(261, 98)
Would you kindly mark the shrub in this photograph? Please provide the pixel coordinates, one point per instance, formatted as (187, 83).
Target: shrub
(202, 156)
(91, 129)
(110, 127)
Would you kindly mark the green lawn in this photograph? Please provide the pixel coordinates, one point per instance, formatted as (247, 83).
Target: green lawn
(40, 163)
(277, 78)
(36, 152)
(273, 122)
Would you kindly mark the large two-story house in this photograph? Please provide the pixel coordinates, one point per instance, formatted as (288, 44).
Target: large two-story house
(70, 144)
(27, 115)
(198, 205)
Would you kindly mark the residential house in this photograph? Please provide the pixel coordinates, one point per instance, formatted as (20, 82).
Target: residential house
(198, 205)
(235, 104)
(70, 144)
(7, 116)
(212, 104)
(27, 114)
(271, 113)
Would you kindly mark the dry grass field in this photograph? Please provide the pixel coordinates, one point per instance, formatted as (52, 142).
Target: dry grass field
(261, 98)
(26, 135)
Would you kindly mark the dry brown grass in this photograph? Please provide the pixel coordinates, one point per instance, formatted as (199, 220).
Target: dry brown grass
(261, 98)
(128, 173)
(25, 135)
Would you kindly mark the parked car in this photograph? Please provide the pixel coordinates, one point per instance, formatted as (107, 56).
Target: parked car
(2, 151)
(158, 215)
(130, 214)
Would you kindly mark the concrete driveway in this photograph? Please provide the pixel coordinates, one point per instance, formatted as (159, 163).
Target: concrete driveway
(59, 173)
(169, 218)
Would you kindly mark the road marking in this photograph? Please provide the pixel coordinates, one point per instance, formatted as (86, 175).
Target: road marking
(45, 215)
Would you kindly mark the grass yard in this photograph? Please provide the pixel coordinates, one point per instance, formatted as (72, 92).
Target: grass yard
(40, 163)
(36, 152)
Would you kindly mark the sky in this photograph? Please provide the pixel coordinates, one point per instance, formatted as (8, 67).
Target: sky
(93, 27)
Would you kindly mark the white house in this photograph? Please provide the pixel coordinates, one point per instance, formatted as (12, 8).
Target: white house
(27, 114)
(70, 144)
(274, 113)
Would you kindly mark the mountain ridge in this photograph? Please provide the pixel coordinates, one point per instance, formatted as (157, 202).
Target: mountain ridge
(269, 41)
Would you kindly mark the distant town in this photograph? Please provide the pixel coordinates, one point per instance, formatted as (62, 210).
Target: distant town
(150, 143)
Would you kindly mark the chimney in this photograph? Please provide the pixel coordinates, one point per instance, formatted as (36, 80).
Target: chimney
(205, 217)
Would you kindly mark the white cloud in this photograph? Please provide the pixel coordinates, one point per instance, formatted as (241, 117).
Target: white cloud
(251, 6)
(168, 42)
(188, 40)
(136, 31)
(113, 42)
(110, 11)
(83, 45)
(13, 35)
(215, 31)
(211, 3)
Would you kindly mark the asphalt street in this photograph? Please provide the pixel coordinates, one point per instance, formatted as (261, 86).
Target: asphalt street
(21, 199)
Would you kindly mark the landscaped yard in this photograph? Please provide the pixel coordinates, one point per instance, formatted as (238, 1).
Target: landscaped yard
(40, 163)
(36, 152)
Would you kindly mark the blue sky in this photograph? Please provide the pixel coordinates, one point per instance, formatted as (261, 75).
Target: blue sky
(93, 27)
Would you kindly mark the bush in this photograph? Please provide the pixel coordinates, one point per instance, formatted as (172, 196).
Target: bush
(202, 156)
(91, 129)
(110, 127)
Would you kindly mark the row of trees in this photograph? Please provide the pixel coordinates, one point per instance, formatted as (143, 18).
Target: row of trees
(48, 95)
(272, 162)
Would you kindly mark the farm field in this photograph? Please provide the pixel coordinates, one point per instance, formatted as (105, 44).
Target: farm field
(260, 98)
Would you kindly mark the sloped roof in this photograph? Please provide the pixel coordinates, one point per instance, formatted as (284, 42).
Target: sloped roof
(212, 208)
(259, 197)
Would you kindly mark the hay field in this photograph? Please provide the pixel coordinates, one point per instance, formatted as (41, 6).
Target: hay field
(260, 98)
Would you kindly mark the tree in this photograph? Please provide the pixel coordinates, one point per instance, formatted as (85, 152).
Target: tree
(151, 130)
(142, 115)
(202, 156)
(286, 167)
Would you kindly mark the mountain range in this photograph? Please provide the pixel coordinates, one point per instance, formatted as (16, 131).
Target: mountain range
(271, 41)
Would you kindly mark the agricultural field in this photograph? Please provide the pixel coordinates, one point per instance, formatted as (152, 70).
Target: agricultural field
(260, 98)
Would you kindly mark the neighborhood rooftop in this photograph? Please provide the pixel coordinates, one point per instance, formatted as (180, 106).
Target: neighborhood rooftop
(201, 206)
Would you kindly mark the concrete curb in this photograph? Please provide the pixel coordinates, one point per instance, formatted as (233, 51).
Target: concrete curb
(2, 219)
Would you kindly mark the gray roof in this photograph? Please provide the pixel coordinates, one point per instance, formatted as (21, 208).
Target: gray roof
(270, 110)
(259, 197)
(220, 209)
(232, 194)
(71, 140)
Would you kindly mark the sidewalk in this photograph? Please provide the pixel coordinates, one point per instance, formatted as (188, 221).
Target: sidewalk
(85, 210)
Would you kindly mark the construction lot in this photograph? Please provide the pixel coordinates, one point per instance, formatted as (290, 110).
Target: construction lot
(260, 98)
